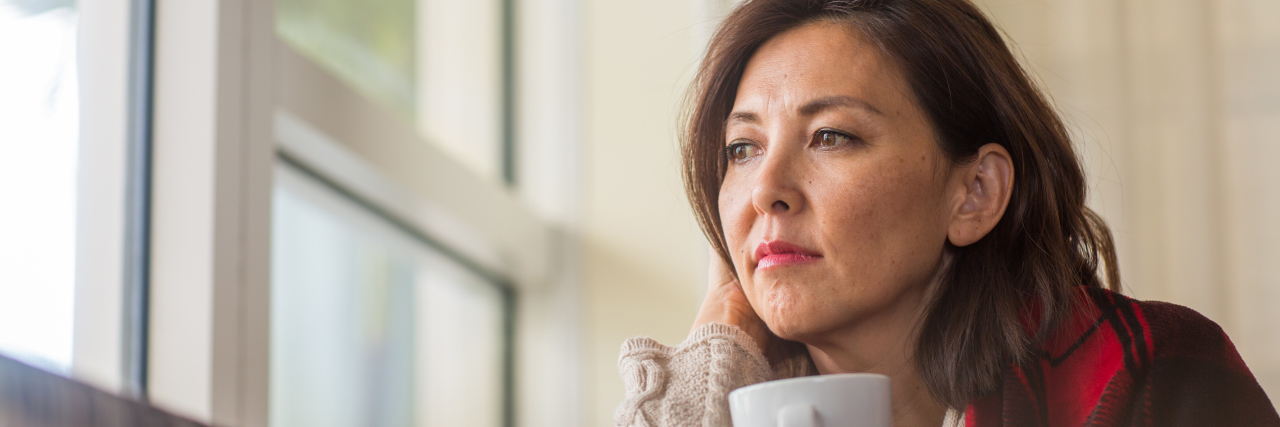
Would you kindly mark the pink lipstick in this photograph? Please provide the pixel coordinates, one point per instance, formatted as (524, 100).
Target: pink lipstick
(778, 253)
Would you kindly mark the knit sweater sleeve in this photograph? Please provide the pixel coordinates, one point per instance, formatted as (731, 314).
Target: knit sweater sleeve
(689, 384)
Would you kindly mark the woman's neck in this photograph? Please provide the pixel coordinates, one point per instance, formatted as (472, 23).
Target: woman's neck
(884, 344)
(912, 403)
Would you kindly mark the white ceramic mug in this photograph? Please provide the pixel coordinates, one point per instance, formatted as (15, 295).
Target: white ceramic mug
(840, 400)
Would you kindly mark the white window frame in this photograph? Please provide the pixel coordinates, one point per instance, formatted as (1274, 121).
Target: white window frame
(103, 55)
(229, 99)
(211, 194)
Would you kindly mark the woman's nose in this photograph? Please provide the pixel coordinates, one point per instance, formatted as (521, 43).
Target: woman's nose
(777, 190)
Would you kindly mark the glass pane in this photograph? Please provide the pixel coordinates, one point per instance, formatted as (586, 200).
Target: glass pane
(39, 113)
(370, 327)
(462, 347)
(460, 80)
(436, 62)
(368, 43)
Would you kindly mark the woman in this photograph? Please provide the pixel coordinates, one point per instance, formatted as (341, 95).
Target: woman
(886, 191)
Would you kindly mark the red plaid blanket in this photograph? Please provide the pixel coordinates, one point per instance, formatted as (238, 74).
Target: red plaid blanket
(1129, 363)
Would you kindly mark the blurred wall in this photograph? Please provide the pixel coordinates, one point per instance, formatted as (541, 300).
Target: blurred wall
(643, 256)
(1174, 106)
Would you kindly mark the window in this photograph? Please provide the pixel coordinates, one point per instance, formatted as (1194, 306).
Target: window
(390, 302)
(371, 327)
(39, 130)
(369, 44)
(438, 64)
(311, 248)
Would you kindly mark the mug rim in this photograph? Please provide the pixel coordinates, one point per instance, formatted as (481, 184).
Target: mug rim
(807, 379)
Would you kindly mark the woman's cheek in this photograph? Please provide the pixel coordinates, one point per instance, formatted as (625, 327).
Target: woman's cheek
(735, 224)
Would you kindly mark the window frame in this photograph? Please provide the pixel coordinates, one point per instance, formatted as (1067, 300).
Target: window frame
(112, 45)
(230, 102)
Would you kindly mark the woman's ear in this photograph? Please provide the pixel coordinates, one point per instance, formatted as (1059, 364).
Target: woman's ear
(987, 184)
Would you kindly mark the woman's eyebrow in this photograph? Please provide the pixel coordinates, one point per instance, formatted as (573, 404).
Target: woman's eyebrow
(742, 116)
(813, 107)
(818, 105)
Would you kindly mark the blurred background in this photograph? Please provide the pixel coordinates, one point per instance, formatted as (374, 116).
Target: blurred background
(431, 212)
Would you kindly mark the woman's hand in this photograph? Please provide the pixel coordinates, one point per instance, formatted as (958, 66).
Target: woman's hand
(726, 303)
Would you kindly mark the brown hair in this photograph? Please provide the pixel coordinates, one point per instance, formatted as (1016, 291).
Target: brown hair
(1025, 271)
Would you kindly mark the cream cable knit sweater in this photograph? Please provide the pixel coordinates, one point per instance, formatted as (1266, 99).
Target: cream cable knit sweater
(689, 384)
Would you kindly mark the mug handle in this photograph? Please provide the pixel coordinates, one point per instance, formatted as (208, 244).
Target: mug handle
(798, 415)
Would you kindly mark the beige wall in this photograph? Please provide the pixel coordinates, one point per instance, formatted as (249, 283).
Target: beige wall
(643, 255)
(1174, 105)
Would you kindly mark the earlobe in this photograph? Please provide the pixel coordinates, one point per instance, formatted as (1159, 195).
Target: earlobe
(988, 183)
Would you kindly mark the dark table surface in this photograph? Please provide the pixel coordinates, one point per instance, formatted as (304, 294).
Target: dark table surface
(30, 397)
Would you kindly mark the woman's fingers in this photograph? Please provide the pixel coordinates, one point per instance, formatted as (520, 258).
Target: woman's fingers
(719, 273)
(726, 303)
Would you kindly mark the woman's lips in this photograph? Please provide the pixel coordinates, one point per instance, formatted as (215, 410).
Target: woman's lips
(778, 253)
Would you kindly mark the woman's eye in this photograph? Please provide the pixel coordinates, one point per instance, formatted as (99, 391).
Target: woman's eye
(741, 151)
(827, 138)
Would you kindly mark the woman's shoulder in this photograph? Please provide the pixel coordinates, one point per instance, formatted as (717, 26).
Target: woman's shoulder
(1119, 361)
(1159, 330)
(1181, 365)
(1111, 334)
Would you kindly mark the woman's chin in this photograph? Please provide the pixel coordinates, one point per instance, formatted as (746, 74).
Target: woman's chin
(787, 314)
(792, 328)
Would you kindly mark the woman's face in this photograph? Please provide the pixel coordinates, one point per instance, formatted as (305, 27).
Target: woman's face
(837, 199)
